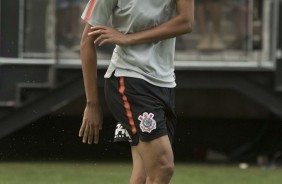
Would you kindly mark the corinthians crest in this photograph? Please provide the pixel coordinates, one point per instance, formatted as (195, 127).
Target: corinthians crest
(147, 122)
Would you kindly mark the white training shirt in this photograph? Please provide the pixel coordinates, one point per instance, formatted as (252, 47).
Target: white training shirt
(152, 62)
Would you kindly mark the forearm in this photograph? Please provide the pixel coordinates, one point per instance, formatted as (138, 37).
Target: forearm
(174, 27)
(181, 24)
(89, 70)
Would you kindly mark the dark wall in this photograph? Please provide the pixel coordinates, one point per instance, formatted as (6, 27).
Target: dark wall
(9, 28)
(55, 138)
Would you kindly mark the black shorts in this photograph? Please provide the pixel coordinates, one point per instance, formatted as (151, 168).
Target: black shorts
(143, 111)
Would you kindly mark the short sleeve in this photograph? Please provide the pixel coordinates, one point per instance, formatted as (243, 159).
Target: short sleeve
(98, 11)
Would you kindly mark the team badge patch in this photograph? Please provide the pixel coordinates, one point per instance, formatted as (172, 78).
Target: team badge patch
(148, 124)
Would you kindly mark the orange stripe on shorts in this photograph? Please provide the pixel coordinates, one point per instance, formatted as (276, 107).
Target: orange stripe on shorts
(90, 10)
(126, 105)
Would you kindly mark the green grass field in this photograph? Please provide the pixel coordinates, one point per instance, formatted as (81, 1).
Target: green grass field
(114, 173)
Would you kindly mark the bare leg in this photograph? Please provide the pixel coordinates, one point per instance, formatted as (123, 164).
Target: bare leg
(138, 175)
(215, 12)
(205, 40)
(241, 24)
(158, 160)
(201, 17)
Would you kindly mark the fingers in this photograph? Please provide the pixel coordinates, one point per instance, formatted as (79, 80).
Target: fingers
(101, 39)
(90, 131)
(103, 34)
(97, 32)
(98, 27)
(105, 41)
(85, 135)
(81, 130)
(90, 135)
(106, 35)
(93, 132)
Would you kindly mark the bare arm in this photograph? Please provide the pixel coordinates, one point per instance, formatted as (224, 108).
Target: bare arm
(92, 120)
(182, 23)
(89, 66)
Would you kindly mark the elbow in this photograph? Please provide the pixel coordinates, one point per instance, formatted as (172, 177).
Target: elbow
(186, 24)
(82, 45)
(85, 43)
(187, 27)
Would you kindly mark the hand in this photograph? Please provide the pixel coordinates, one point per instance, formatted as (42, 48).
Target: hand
(105, 35)
(91, 124)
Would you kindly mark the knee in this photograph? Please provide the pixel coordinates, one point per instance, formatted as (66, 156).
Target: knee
(166, 165)
(162, 173)
(168, 169)
(163, 170)
(138, 180)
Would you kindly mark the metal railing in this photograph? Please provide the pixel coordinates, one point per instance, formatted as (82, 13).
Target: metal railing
(255, 35)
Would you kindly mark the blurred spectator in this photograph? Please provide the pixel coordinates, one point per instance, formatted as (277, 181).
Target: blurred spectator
(241, 10)
(68, 16)
(257, 24)
(209, 39)
(240, 14)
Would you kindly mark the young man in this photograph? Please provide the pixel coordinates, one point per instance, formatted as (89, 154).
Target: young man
(210, 40)
(140, 79)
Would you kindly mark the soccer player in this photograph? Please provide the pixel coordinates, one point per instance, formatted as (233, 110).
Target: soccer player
(140, 81)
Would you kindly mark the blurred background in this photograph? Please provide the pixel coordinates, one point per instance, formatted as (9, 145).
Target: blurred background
(228, 95)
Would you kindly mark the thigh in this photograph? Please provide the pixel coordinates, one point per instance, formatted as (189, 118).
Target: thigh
(137, 160)
(160, 154)
(138, 165)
